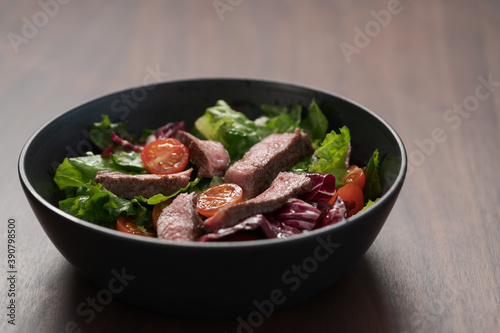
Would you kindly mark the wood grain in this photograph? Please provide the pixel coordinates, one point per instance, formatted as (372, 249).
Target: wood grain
(435, 265)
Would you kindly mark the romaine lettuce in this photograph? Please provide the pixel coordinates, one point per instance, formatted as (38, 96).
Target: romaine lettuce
(233, 129)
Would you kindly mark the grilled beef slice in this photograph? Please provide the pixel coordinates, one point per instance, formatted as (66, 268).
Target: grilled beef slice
(264, 160)
(146, 185)
(180, 221)
(210, 157)
(285, 186)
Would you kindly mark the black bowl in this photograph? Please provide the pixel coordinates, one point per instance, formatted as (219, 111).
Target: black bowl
(251, 278)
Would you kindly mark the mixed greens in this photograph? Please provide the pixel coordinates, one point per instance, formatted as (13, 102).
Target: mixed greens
(121, 151)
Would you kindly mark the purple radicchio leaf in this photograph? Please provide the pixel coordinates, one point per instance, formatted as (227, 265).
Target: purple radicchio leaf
(108, 150)
(250, 223)
(337, 213)
(298, 214)
(167, 131)
(283, 230)
(127, 145)
(294, 218)
(323, 187)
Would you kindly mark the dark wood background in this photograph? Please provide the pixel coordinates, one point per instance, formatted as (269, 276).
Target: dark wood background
(422, 65)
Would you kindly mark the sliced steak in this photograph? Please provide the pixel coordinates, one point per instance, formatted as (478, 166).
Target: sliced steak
(211, 158)
(180, 221)
(146, 185)
(262, 163)
(286, 185)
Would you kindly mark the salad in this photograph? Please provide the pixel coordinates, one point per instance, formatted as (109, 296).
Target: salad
(227, 178)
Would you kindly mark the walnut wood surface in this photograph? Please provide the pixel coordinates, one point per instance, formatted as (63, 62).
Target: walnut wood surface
(422, 65)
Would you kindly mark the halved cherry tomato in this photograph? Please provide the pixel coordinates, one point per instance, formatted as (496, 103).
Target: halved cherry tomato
(157, 209)
(214, 198)
(126, 224)
(348, 192)
(165, 156)
(355, 175)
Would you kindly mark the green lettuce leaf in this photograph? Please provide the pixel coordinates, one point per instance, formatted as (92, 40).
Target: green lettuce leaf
(67, 176)
(332, 154)
(130, 161)
(100, 132)
(373, 188)
(156, 199)
(96, 204)
(205, 183)
(315, 124)
(237, 133)
(76, 171)
(304, 165)
(281, 119)
(368, 204)
(233, 129)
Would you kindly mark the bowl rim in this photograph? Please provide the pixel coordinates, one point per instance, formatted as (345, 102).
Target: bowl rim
(398, 180)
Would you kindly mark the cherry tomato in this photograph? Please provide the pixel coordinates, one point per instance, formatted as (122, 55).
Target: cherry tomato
(165, 156)
(348, 192)
(157, 209)
(214, 198)
(355, 175)
(126, 224)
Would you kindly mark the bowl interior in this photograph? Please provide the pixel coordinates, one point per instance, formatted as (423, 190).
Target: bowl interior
(152, 106)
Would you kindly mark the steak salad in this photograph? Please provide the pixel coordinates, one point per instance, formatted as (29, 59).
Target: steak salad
(229, 178)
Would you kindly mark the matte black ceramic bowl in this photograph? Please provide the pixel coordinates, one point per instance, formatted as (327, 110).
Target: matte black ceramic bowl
(206, 279)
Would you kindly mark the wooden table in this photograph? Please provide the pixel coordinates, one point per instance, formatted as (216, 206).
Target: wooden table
(430, 68)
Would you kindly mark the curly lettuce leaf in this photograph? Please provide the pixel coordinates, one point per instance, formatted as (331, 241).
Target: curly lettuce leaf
(332, 155)
(368, 204)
